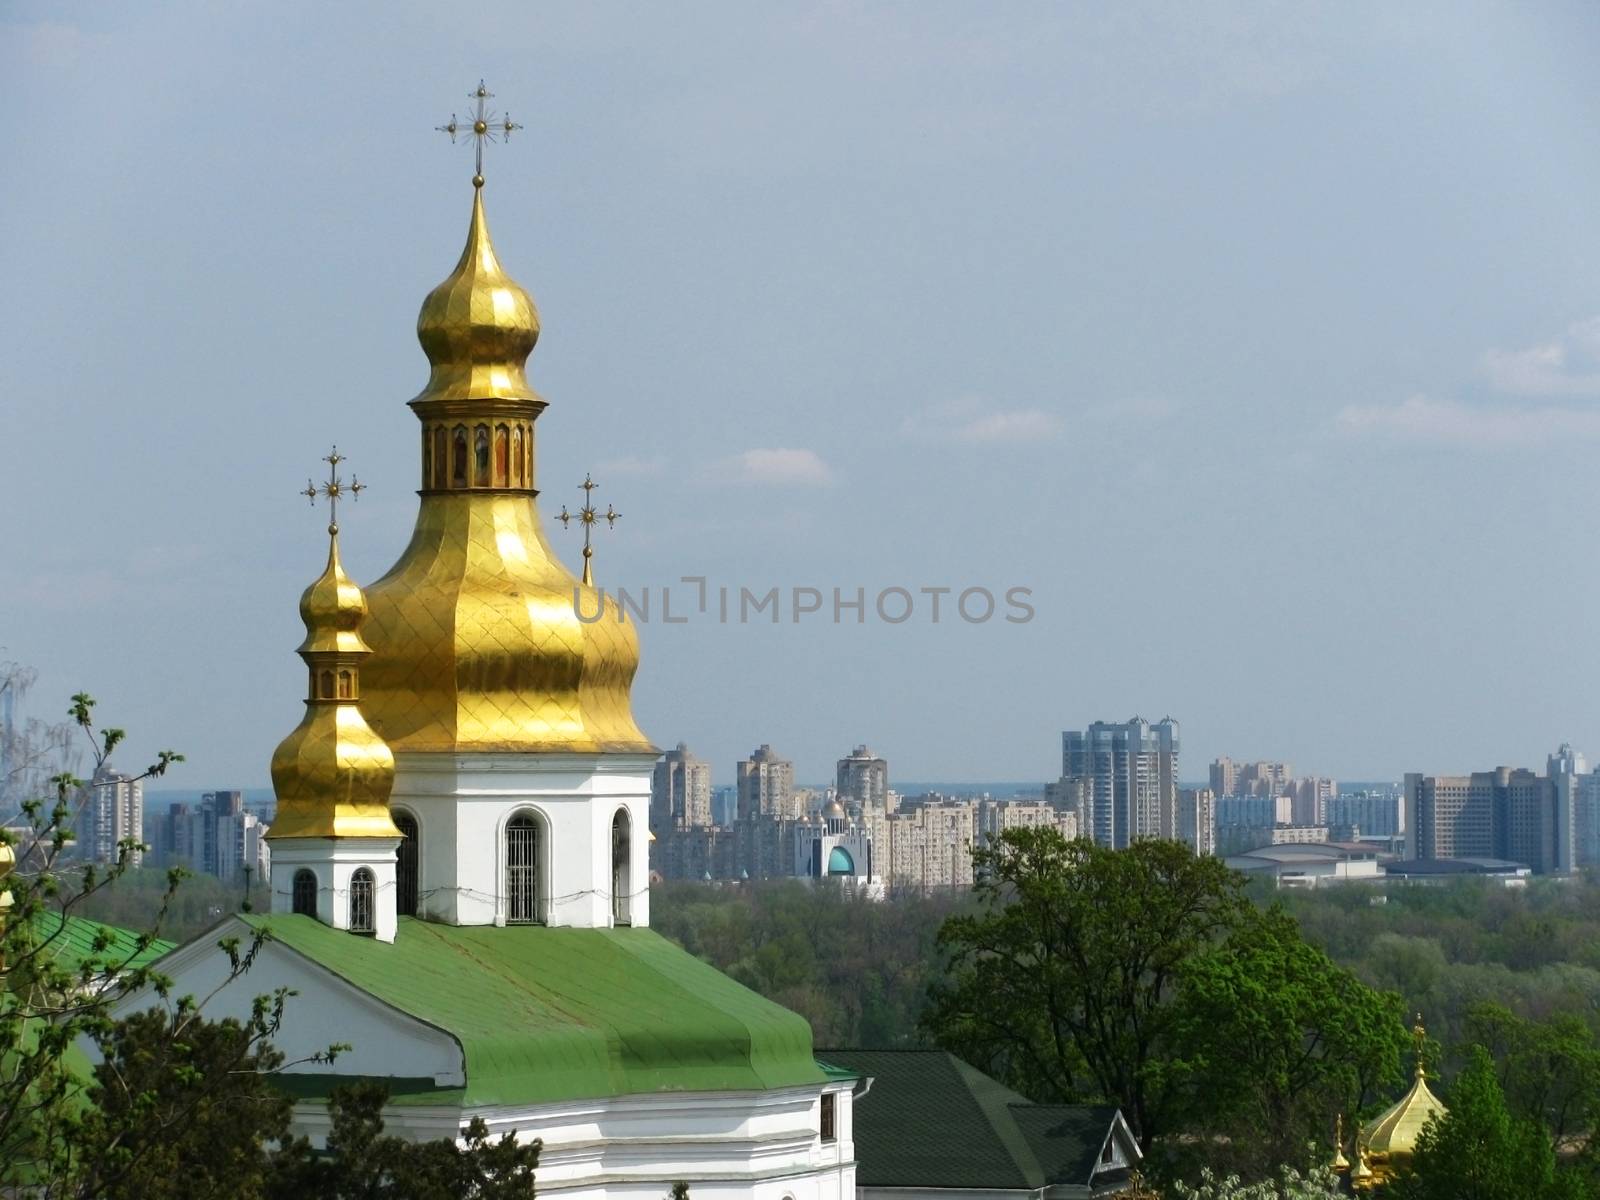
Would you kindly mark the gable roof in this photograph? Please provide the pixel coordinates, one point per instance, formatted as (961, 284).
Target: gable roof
(932, 1120)
(74, 940)
(544, 1014)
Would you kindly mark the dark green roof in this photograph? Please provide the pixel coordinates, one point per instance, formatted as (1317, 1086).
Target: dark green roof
(932, 1120)
(560, 1014)
(74, 940)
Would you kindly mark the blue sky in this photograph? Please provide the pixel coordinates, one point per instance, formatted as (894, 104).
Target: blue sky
(1261, 342)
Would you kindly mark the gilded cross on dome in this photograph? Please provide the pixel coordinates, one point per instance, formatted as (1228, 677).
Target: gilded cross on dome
(483, 126)
(588, 517)
(333, 488)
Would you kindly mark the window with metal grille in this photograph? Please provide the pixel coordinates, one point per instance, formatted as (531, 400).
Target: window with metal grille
(522, 870)
(406, 865)
(829, 1100)
(361, 901)
(621, 876)
(305, 893)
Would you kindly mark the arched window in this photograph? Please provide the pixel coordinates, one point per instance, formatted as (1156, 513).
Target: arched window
(621, 875)
(516, 456)
(522, 870)
(427, 456)
(361, 901)
(326, 691)
(347, 686)
(502, 456)
(440, 460)
(480, 450)
(527, 459)
(305, 892)
(458, 458)
(406, 865)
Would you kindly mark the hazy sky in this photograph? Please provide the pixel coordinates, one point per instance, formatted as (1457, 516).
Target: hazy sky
(1262, 342)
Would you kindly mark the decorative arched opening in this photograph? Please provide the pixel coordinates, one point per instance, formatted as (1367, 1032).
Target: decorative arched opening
(523, 902)
(326, 685)
(347, 686)
(440, 460)
(502, 456)
(458, 457)
(361, 890)
(304, 899)
(621, 868)
(406, 864)
(518, 479)
(480, 452)
(527, 454)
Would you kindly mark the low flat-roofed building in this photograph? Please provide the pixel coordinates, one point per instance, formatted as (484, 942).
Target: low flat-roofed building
(1312, 864)
(1446, 870)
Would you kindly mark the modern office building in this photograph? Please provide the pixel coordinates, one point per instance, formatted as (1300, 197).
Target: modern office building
(680, 792)
(1505, 813)
(766, 786)
(1131, 771)
(861, 782)
(1566, 769)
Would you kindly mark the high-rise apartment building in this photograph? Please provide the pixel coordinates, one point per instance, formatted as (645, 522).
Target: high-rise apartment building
(1566, 770)
(1376, 814)
(1505, 813)
(994, 817)
(1197, 819)
(927, 845)
(219, 837)
(1131, 771)
(861, 782)
(112, 812)
(766, 786)
(1229, 778)
(680, 792)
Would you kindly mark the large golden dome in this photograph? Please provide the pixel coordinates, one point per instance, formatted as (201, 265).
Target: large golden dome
(476, 634)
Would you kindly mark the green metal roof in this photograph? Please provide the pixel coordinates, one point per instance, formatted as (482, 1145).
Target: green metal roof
(840, 862)
(561, 1014)
(74, 940)
(932, 1120)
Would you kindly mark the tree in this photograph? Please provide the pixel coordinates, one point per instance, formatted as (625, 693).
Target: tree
(1479, 1151)
(1549, 1069)
(1274, 1041)
(1062, 984)
(49, 1000)
(1319, 1183)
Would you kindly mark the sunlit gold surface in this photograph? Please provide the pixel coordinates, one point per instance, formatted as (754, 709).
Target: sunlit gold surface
(478, 327)
(1391, 1140)
(476, 644)
(332, 775)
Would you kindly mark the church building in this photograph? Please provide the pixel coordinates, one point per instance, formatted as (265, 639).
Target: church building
(459, 867)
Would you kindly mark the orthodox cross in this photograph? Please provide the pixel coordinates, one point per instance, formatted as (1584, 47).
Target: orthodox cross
(333, 488)
(484, 126)
(588, 518)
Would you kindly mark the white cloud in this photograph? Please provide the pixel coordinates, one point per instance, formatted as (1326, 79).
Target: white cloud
(777, 467)
(1486, 426)
(975, 421)
(1567, 366)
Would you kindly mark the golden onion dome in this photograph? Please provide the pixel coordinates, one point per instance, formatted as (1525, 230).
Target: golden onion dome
(478, 326)
(1390, 1141)
(482, 640)
(332, 775)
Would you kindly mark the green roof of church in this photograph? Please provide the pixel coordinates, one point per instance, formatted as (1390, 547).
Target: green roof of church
(931, 1120)
(75, 940)
(544, 1015)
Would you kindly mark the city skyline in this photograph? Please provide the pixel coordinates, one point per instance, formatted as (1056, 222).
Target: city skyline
(1230, 297)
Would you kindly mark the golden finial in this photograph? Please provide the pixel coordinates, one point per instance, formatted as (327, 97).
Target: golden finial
(333, 488)
(484, 126)
(1419, 1035)
(588, 517)
(1340, 1162)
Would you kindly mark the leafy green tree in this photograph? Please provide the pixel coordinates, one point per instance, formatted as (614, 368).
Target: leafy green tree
(1549, 1069)
(1062, 983)
(1274, 1041)
(1479, 1151)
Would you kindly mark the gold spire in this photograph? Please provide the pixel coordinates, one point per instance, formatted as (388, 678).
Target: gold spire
(481, 638)
(332, 775)
(1340, 1162)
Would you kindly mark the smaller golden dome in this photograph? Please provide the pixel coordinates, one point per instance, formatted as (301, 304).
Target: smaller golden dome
(332, 775)
(1391, 1140)
(333, 607)
(478, 326)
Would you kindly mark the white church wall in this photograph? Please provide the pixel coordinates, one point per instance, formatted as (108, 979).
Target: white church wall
(463, 803)
(335, 861)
